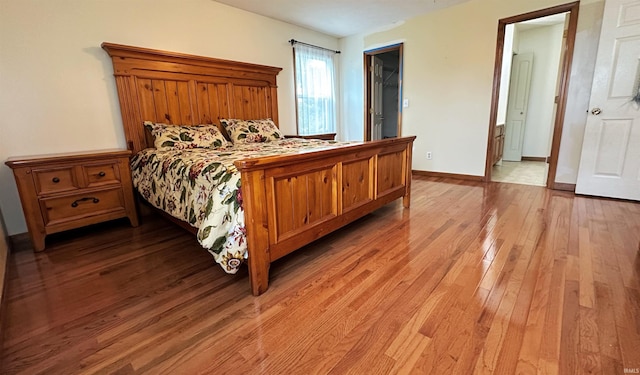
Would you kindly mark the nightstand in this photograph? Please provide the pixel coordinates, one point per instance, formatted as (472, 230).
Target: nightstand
(65, 191)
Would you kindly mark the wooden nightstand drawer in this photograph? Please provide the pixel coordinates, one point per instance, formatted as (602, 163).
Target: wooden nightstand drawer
(53, 180)
(101, 174)
(66, 191)
(77, 206)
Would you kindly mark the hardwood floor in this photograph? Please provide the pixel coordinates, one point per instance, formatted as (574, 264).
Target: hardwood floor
(474, 278)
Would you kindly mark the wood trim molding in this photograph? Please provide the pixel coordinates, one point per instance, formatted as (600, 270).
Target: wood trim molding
(564, 187)
(466, 177)
(493, 112)
(565, 73)
(534, 158)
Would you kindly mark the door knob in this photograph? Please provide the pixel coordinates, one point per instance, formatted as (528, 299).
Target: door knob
(596, 111)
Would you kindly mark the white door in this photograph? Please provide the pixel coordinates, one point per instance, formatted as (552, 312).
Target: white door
(517, 106)
(610, 161)
(376, 100)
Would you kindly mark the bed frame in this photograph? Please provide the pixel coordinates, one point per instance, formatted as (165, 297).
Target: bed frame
(289, 201)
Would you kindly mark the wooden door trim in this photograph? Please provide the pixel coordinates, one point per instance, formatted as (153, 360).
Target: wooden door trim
(367, 89)
(565, 72)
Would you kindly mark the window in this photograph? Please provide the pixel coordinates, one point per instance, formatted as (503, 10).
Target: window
(315, 90)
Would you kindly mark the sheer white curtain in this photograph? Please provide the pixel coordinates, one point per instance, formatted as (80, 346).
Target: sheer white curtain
(315, 90)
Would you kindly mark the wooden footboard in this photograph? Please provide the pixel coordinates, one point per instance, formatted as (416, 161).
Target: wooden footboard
(290, 201)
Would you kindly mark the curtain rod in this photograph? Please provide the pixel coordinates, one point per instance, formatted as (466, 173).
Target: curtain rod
(293, 41)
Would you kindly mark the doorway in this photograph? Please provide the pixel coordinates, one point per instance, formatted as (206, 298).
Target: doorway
(509, 131)
(526, 108)
(383, 107)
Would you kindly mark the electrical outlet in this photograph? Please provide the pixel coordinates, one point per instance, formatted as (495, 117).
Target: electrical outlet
(429, 155)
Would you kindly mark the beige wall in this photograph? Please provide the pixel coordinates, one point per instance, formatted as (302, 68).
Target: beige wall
(448, 75)
(57, 90)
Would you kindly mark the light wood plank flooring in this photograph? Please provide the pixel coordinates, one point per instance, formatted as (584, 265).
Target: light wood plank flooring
(474, 278)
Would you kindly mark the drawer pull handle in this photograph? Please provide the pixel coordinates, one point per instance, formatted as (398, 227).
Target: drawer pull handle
(102, 174)
(55, 180)
(93, 199)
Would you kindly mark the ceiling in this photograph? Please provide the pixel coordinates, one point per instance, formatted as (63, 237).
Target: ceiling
(341, 18)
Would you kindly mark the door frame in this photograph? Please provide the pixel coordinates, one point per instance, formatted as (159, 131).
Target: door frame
(368, 55)
(565, 72)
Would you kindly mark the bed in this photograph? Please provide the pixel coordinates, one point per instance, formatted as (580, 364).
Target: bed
(288, 200)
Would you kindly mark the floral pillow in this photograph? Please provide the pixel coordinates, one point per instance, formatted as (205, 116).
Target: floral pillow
(251, 131)
(180, 137)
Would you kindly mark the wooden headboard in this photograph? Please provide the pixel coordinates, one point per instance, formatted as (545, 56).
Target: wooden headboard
(180, 89)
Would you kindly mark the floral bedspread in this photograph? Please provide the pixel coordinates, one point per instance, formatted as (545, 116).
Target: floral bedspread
(202, 187)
